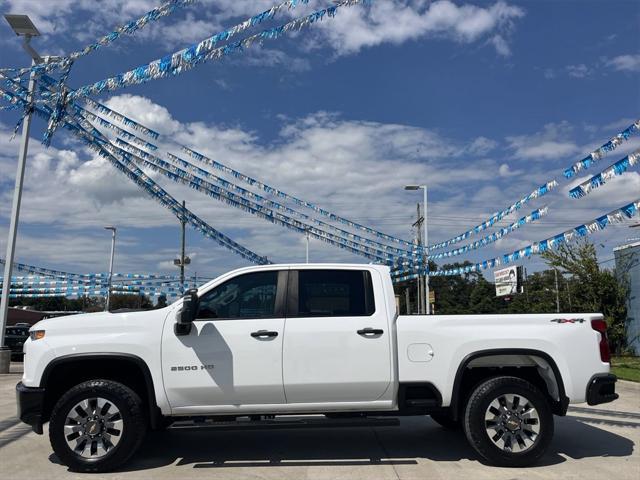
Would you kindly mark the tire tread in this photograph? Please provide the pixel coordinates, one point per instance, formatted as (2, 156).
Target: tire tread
(135, 428)
(479, 439)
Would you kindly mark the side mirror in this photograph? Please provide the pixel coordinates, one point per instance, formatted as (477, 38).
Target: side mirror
(187, 313)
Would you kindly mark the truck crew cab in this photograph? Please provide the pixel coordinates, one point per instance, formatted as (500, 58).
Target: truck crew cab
(280, 340)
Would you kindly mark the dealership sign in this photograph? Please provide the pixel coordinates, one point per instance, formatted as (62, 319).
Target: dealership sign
(507, 281)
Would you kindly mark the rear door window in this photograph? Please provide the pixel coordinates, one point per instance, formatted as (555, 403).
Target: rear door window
(334, 293)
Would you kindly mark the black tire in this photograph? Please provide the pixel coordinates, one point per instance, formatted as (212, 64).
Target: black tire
(445, 421)
(477, 430)
(134, 423)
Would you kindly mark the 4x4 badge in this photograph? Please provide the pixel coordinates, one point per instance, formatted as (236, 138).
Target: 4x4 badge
(568, 320)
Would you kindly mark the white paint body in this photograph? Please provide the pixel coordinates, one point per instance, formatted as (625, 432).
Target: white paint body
(314, 364)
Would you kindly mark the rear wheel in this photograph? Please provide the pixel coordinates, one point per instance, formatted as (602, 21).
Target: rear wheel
(97, 426)
(509, 422)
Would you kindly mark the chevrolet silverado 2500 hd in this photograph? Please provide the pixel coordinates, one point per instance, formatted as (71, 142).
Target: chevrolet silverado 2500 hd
(277, 340)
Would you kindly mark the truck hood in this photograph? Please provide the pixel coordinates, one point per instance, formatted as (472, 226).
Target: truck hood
(98, 319)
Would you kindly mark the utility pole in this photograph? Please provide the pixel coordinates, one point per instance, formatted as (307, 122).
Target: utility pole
(567, 285)
(306, 234)
(525, 285)
(408, 302)
(113, 249)
(555, 273)
(418, 224)
(183, 260)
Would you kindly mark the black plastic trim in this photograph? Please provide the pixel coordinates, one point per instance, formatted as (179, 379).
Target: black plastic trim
(602, 389)
(292, 295)
(559, 407)
(417, 406)
(281, 293)
(30, 402)
(155, 415)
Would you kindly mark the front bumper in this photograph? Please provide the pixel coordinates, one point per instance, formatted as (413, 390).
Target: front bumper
(602, 389)
(30, 402)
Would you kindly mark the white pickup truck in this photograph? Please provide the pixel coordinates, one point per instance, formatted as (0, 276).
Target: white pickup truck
(265, 343)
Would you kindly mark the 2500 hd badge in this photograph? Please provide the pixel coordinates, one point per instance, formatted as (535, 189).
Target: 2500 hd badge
(191, 368)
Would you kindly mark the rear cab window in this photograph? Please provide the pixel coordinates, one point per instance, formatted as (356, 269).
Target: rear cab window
(332, 293)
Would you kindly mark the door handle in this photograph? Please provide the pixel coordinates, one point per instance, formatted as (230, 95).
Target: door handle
(370, 332)
(264, 334)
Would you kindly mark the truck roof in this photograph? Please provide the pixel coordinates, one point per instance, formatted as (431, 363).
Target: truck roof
(282, 266)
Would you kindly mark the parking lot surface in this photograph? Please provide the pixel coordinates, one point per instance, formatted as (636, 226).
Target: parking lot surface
(590, 443)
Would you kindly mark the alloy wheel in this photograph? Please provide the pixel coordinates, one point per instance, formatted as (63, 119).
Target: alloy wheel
(512, 423)
(93, 427)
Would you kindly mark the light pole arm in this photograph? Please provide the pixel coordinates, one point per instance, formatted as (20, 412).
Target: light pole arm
(26, 44)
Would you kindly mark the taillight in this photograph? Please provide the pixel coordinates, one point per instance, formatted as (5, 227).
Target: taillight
(600, 326)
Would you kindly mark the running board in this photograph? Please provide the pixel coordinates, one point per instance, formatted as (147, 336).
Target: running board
(422, 402)
(314, 421)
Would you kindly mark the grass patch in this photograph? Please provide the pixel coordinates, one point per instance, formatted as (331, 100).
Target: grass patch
(626, 368)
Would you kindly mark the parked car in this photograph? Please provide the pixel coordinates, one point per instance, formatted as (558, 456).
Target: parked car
(270, 341)
(14, 337)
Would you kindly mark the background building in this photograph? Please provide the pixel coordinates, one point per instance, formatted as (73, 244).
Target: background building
(628, 269)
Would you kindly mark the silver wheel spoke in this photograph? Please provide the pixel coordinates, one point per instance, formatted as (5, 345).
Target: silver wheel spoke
(100, 448)
(113, 427)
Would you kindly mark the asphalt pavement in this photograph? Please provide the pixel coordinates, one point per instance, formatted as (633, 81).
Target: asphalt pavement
(590, 443)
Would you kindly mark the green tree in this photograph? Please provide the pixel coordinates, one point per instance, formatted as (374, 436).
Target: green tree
(162, 301)
(593, 289)
(132, 301)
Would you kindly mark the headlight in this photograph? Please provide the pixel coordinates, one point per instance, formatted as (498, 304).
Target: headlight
(36, 334)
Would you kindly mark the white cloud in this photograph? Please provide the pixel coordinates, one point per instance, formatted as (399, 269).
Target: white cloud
(267, 57)
(625, 63)
(578, 71)
(505, 171)
(551, 143)
(501, 45)
(146, 112)
(482, 146)
(398, 21)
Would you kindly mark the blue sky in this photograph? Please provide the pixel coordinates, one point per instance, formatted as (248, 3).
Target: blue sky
(482, 101)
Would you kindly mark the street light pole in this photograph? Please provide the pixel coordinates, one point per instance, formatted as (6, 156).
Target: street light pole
(21, 25)
(183, 225)
(426, 305)
(419, 240)
(113, 249)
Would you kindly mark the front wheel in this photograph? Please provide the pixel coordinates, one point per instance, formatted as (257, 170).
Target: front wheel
(97, 426)
(509, 422)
